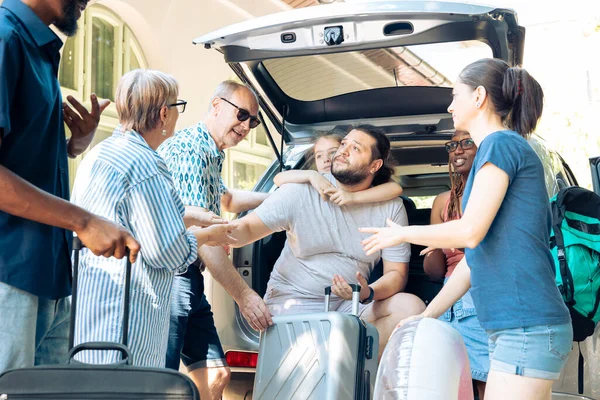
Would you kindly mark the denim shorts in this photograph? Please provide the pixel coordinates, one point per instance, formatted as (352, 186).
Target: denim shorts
(193, 336)
(462, 316)
(33, 330)
(539, 351)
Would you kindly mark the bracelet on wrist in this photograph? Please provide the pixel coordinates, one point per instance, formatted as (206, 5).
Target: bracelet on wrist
(69, 154)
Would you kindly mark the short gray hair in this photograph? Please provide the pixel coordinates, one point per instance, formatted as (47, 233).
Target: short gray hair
(227, 88)
(141, 94)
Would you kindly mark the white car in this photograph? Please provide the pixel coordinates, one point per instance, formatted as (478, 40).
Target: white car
(386, 63)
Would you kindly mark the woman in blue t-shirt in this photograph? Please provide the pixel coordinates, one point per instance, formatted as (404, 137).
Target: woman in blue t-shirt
(505, 231)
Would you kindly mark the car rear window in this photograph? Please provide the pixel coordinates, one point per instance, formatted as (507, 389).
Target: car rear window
(317, 77)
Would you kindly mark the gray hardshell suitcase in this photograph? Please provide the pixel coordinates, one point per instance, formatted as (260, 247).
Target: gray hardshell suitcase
(321, 356)
(75, 380)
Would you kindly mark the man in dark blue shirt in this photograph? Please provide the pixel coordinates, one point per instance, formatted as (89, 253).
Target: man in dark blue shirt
(36, 218)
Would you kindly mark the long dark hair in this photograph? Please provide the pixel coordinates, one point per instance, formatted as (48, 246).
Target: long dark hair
(381, 150)
(457, 188)
(515, 95)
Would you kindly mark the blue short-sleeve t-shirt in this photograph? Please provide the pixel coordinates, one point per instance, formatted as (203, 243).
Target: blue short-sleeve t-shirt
(512, 271)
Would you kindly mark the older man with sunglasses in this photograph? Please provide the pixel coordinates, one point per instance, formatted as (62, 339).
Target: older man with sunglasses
(195, 158)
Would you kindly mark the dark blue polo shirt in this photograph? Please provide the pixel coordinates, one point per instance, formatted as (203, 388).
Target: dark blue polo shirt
(33, 257)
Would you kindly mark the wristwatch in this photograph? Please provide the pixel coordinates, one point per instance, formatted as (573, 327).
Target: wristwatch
(370, 298)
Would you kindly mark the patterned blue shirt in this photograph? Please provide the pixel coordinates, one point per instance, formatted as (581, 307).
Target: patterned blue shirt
(124, 180)
(195, 163)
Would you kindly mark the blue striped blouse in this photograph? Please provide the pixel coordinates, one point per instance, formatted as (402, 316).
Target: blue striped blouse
(124, 180)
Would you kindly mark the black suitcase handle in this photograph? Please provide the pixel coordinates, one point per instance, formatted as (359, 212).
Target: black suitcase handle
(101, 346)
(77, 246)
(355, 297)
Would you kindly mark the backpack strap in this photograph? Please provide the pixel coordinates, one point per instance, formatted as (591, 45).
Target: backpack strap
(592, 314)
(557, 218)
(580, 370)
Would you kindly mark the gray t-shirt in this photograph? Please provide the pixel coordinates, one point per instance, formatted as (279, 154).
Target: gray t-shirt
(323, 238)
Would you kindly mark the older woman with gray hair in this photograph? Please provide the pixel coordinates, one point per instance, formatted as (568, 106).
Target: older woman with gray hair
(125, 180)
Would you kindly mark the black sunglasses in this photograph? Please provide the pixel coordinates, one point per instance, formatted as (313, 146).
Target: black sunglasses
(465, 144)
(244, 114)
(180, 105)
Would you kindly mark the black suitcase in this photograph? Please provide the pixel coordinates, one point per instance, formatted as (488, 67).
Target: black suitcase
(75, 380)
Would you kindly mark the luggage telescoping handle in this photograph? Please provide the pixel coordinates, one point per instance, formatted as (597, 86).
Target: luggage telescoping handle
(126, 354)
(77, 246)
(355, 297)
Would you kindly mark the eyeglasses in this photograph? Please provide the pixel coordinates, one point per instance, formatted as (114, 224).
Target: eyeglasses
(244, 114)
(180, 105)
(465, 144)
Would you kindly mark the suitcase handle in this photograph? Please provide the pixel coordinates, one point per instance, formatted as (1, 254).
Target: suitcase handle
(355, 297)
(77, 246)
(101, 346)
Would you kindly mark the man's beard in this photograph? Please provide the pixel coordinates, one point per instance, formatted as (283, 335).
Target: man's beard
(68, 24)
(350, 176)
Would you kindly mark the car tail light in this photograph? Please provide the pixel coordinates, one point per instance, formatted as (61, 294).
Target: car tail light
(241, 359)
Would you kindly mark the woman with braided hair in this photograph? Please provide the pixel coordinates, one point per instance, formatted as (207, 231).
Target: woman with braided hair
(439, 263)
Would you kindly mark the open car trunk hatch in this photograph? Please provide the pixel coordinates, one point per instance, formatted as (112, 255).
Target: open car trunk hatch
(367, 60)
